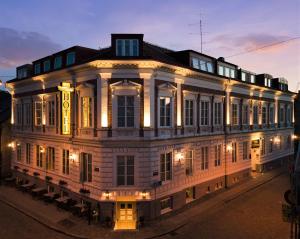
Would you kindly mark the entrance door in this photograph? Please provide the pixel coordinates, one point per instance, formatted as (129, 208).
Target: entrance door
(125, 215)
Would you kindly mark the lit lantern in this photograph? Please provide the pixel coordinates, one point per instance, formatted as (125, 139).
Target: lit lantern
(106, 194)
(229, 147)
(144, 194)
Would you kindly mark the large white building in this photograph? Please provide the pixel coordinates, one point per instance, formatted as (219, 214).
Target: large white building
(142, 130)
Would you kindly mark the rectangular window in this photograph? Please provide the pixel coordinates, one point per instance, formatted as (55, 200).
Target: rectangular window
(189, 163)
(28, 158)
(218, 149)
(51, 113)
(189, 194)
(232, 73)
(245, 115)
(27, 114)
(195, 63)
(57, 62)
(227, 72)
(189, 112)
(65, 161)
(165, 205)
(19, 152)
(264, 115)
(263, 147)
(39, 156)
(221, 70)
(86, 112)
(46, 65)
(50, 158)
(234, 153)
(125, 170)
(288, 115)
(38, 113)
(252, 79)
(204, 119)
(19, 114)
(281, 115)
(255, 115)
(70, 58)
(271, 115)
(165, 111)
(218, 113)
(243, 76)
(204, 158)
(37, 68)
(85, 167)
(271, 146)
(234, 111)
(165, 166)
(209, 67)
(127, 47)
(245, 150)
(125, 111)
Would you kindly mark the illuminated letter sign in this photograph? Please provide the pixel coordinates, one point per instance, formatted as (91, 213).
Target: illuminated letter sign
(66, 107)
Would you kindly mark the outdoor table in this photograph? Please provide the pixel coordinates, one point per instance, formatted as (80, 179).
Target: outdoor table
(38, 191)
(62, 199)
(50, 196)
(80, 209)
(62, 202)
(11, 179)
(27, 186)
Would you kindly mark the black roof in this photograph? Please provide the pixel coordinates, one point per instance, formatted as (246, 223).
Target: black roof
(5, 106)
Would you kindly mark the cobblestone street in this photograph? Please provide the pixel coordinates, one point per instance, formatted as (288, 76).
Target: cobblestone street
(256, 214)
(243, 212)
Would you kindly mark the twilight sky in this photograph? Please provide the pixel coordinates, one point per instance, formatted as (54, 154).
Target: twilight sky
(32, 29)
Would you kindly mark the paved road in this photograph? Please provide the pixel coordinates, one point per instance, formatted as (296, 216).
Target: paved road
(255, 215)
(14, 224)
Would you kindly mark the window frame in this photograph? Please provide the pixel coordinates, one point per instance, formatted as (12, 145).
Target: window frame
(189, 112)
(204, 113)
(126, 123)
(70, 59)
(204, 164)
(189, 162)
(127, 178)
(65, 161)
(165, 120)
(166, 175)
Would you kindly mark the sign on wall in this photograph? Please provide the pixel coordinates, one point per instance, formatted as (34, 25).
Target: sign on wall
(66, 90)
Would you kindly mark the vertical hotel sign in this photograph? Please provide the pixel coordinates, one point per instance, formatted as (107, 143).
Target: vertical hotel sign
(66, 90)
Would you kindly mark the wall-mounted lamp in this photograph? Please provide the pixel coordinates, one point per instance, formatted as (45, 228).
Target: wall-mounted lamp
(144, 194)
(229, 148)
(106, 194)
(73, 157)
(294, 137)
(11, 145)
(42, 149)
(179, 157)
(277, 140)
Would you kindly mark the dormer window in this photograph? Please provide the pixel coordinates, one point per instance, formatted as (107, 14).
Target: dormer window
(266, 81)
(37, 68)
(46, 65)
(243, 76)
(252, 79)
(127, 47)
(22, 73)
(70, 58)
(57, 62)
(202, 64)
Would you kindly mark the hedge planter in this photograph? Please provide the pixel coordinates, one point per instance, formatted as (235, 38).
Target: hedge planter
(84, 191)
(25, 170)
(48, 178)
(62, 183)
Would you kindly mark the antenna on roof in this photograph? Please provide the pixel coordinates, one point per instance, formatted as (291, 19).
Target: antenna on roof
(200, 31)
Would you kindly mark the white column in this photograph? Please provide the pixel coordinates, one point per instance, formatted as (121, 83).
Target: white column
(227, 106)
(179, 103)
(276, 110)
(98, 101)
(149, 94)
(104, 99)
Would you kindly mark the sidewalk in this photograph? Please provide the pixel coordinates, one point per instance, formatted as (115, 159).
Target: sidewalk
(65, 223)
